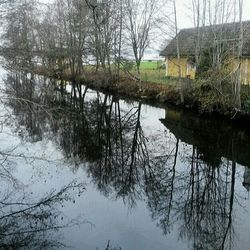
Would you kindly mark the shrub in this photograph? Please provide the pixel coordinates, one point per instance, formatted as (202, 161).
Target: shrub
(128, 65)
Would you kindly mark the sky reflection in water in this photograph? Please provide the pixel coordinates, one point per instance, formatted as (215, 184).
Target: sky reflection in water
(99, 169)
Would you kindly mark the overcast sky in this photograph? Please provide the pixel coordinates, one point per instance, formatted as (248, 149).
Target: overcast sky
(184, 15)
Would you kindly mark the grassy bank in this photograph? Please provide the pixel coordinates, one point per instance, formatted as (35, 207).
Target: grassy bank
(151, 71)
(154, 71)
(147, 91)
(200, 96)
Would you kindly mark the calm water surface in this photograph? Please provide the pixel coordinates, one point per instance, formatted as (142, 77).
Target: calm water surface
(103, 173)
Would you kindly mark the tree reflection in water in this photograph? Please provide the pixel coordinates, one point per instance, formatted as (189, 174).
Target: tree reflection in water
(28, 222)
(187, 186)
(201, 200)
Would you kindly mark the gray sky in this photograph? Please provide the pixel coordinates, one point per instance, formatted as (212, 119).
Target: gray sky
(184, 13)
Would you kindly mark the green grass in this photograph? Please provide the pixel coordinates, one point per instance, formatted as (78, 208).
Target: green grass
(151, 71)
(150, 65)
(156, 76)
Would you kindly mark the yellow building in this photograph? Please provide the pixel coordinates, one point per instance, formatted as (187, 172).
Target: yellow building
(187, 68)
(227, 35)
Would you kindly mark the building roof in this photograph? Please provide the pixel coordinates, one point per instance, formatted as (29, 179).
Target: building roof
(228, 32)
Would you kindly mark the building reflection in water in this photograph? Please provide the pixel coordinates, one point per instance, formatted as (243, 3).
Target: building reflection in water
(246, 182)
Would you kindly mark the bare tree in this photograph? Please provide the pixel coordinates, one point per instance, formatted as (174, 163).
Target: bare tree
(178, 52)
(238, 81)
(140, 19)
(105, 37)
(20, 38)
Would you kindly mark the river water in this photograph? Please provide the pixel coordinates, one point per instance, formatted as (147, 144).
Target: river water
(104, 173)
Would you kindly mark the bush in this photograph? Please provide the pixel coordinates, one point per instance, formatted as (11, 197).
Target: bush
(209, 98)
(246, 106)
(162, 66)
(128, 65)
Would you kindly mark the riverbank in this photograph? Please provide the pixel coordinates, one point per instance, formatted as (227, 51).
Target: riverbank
(199, 97)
